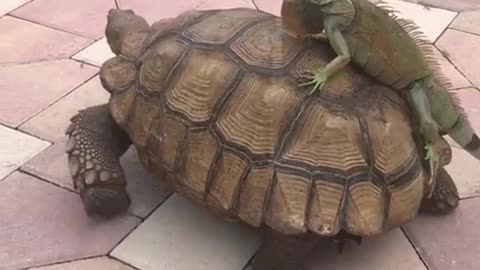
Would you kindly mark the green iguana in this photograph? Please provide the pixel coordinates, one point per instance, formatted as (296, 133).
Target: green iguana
(393, 51)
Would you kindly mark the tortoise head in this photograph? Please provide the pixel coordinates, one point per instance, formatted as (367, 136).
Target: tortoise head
(119, 24)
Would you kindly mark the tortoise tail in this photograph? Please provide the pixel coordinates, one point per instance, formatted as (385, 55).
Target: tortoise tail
(451, 118)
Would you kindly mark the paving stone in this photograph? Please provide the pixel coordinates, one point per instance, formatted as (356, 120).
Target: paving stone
(180, 236)
(27, 89)
(390, 251)
(451, 241)
(32, 42)
(450, 72)
(146, 191)
(95, 54)
(463, 50)
(270, 6)
(468, 21)
(470, 101)
(465, 172)
(86, 18)
(17, 148)
(226, 4)
(46, 224)
(153, 11)
(99, 263)
(51, 123)
(9, 5)
(456, 5)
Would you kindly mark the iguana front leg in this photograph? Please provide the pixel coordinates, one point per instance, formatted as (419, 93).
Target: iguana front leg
(340, 46)
(429, 129)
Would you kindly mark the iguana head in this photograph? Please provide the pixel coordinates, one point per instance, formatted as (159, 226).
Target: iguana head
(302, 17)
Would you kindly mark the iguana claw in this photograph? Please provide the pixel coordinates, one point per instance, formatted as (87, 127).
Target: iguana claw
(318, 78)
(433, 161)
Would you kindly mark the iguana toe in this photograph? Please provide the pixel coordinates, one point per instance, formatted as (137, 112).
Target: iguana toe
(318, 78)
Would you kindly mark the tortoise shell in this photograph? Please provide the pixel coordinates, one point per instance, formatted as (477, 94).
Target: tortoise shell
(211, 103)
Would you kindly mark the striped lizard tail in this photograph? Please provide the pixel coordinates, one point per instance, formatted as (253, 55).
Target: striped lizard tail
(450, 116)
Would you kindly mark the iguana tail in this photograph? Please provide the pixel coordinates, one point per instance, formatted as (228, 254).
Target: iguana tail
(451, 118)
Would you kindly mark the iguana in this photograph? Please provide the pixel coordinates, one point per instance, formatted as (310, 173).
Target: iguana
(393, 51)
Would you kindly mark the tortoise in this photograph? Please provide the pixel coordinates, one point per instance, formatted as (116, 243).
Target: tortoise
(210, 101)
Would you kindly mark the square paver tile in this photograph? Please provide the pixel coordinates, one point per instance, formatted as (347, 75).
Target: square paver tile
(43, 224)
(432, 21)
(390, 251)
(463, 50)
(95, 54)
(16, 149)
(32, 42)
(27, 89)
(226, 4)
(450, 72)
(180, 236)
(456, 5)
(468, 21)
(9, 5)
(51, 123)
(87, 18)
(449, 242)
(465, 172)
(154, 10)
(99, 263)
(146, 191)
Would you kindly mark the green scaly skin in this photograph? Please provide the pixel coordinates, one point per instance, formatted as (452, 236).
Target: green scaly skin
(432, 104)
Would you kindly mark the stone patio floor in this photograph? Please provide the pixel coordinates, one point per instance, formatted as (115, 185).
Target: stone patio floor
(50, 53)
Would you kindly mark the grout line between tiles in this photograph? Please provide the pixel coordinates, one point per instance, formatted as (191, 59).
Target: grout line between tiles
(14, 9)
(62, 262)
(52, 27)
(141, 221)
(58, 99)
(417, 251)
(21, 170)
(123, 262)
(255, 5)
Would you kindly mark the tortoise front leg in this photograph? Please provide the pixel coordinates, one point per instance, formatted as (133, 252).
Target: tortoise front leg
(94, 147)
(283, 252)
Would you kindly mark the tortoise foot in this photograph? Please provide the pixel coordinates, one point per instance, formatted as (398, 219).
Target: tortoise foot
(94, 147)
(445, 196)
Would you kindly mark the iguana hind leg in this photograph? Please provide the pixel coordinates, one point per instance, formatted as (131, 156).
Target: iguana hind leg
(429, 130)
(95, 144)
(340, 46)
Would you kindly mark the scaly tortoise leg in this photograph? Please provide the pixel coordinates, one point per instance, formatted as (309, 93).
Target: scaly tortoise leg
(429, 130)
(283, 252)
(94, 147)
(445, 196)
(340, 46)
